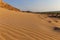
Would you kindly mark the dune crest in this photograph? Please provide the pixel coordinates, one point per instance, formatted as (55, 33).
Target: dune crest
(7, 6)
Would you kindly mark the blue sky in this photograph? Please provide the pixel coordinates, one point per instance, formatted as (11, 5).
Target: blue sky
(36, 5)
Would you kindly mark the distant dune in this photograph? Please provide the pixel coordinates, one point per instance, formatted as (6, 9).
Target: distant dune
(27, 26)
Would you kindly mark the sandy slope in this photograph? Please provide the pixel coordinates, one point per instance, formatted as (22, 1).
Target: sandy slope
(27, 26)
(8, 6)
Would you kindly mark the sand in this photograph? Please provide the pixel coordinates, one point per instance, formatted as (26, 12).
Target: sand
(27, 26)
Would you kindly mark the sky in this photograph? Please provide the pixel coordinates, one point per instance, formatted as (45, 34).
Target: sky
(35, 5)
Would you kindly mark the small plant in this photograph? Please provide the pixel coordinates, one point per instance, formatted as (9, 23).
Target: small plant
(57, 28)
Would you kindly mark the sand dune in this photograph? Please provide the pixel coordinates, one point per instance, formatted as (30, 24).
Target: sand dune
(27, 26)
(8, 6)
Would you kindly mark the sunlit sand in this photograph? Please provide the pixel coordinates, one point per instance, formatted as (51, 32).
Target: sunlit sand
(27, 26)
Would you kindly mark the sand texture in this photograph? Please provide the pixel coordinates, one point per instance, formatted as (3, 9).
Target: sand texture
(27, 26)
